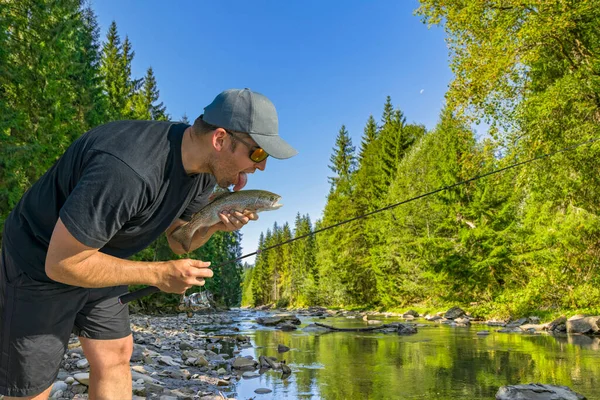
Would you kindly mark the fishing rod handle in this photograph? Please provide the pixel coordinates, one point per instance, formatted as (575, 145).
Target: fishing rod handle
(126, 298)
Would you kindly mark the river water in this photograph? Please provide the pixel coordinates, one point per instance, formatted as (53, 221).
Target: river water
(438, 362)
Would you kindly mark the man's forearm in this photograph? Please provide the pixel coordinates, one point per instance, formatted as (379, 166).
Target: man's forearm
(92, 269)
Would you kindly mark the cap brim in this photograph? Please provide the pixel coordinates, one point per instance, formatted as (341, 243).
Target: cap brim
(275, 146)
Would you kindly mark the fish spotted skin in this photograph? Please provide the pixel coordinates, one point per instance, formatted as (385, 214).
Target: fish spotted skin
(252, 200)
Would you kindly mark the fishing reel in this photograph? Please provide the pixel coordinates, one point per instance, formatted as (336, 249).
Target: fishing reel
(196, 301)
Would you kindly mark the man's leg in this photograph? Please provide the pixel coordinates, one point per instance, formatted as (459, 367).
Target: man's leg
(110, 374)
(36, 318)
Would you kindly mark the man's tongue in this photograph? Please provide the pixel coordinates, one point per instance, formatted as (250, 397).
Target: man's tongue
(242, 180)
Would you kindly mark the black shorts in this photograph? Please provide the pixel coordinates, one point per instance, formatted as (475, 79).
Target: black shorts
(38, 319)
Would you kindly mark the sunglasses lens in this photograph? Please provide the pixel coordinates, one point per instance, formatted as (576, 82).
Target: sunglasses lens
(258, 155)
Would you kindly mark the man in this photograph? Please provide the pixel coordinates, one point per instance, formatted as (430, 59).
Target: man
(112, 193)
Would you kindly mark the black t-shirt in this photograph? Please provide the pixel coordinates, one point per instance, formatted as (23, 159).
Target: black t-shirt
(117, 188)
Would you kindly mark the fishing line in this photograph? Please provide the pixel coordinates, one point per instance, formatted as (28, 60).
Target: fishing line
(151, 289)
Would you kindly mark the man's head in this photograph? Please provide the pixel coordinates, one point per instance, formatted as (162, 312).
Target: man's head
(242, 110)
(246, 118)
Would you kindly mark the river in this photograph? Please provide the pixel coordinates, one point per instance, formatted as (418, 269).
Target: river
(438, 362)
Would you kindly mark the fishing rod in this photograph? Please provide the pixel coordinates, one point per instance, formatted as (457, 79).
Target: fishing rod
(152, 289)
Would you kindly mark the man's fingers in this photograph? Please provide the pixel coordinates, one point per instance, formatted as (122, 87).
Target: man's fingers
(200, 264)
(201, 282)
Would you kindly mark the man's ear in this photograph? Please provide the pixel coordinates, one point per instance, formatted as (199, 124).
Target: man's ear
(218, 139)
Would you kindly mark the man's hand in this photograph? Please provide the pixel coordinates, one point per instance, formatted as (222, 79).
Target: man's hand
(179, 275)
(235, 220)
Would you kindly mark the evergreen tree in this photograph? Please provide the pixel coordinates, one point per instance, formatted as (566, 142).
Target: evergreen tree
(116, 73)
(343, 161)
(144, 101)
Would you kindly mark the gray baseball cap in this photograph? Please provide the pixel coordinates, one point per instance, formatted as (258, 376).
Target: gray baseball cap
(242, 110)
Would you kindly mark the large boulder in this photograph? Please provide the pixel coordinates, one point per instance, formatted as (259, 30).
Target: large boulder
(583, 324)
(537, 391)
(278, 319)
(559, 324)
(454, 312)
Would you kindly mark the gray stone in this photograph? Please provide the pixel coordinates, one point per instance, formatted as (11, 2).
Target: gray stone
(537, 391)
(406, 329)
(282, 348)
(250, 374)
(58, 387)
(242, 362)
(138, 353)
(583, 324)
(83, 378)
(454, 312)
(185, 346)
(262, 391)
(555, 325)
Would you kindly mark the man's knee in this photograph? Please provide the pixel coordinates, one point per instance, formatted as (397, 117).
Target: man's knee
(103, 354)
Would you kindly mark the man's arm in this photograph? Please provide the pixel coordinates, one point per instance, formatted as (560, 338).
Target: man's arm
(71, 262)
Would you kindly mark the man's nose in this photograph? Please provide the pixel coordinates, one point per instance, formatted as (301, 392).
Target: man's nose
(261, 165)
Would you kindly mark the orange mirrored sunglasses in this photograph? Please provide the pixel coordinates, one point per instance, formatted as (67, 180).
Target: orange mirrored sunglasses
(257, 154)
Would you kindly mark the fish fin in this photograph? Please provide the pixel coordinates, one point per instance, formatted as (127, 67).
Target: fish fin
(218, 192)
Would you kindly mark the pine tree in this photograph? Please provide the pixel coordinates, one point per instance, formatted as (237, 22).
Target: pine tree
(343, 161)
(144, 101)
(116, 73)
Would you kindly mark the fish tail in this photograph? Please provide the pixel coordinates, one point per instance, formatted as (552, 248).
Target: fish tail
(183, 237)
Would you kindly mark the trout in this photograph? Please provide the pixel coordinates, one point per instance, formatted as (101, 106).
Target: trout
(251, 200)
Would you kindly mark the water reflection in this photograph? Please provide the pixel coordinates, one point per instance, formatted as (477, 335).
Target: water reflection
(439, 362)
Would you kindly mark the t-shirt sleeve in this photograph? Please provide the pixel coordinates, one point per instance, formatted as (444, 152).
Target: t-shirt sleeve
(107, 195)
(201, 198)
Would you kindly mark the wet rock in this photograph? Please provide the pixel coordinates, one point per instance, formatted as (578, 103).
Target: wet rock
(250, 374)
(454, 312)
(583, 324)
(285, 369)
(483, 333)
(287, 327)
(314, 328)
(406, 329)
(536, 391)
(559, 324)
(282, 348)
(510, 330)
(243, 362)
(262, 391)
(519, 322)
(278, 319)
(411, 313)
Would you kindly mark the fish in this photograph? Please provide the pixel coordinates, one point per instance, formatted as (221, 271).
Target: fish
(222, 201)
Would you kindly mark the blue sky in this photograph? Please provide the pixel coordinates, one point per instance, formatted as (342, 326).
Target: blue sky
(322, 63)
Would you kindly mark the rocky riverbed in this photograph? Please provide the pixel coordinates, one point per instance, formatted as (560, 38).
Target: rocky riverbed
(197, 355)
